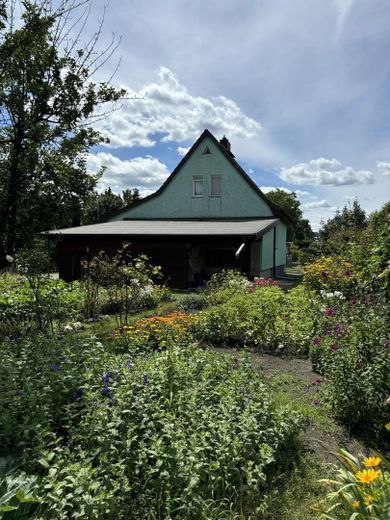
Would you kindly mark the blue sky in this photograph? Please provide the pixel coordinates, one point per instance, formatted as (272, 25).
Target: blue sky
(301, 88)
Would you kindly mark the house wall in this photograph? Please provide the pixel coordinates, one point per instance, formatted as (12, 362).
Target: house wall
(267, 247)
(237, 199)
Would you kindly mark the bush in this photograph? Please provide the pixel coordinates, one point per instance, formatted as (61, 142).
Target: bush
(193, 302)
(222, 286)
(263, 316)
(181, 433)
(330, 273)
(352, 350)
(177, 435)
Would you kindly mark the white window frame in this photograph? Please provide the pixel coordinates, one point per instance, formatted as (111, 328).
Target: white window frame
(211, 185)
(197, 179)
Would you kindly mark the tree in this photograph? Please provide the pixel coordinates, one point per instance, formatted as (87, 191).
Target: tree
(301, 229)
(100, 206)
(48, 102)
(344, 223)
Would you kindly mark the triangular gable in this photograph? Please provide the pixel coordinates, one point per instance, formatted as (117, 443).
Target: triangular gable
(229, 156)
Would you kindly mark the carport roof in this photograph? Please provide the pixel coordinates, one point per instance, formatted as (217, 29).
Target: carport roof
(236, 227)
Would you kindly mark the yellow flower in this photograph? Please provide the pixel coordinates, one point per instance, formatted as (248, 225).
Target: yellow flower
(356, 504)
(387, 426)
(368, 499)
(367, 475)
(371, 462)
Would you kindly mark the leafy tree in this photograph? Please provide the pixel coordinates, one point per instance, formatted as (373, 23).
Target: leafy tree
(301, 229)
(48, 101)
(100, 206)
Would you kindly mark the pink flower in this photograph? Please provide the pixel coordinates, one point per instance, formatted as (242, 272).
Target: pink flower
(330, 312)
(316, 340)
(333, 346)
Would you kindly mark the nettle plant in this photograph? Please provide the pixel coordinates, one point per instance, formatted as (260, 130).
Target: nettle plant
(125, 281)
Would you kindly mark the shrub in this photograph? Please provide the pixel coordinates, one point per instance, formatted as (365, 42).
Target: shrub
(176, 435)
(225, 284)
(330, 273)
(193, 302)
(361, 488)
(352, 350)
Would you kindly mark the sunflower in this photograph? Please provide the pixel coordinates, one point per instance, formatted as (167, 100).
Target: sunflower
(371, 462)
(367, 475)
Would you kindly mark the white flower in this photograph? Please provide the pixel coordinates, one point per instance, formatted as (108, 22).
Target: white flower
(9, 258)
(68, 328)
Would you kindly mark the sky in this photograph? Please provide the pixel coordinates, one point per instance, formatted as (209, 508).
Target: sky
(301, 88)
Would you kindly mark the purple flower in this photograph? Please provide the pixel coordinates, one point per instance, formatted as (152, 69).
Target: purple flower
(340, 328)
(79, 393)
(55, 367)
(347, 273)
(324, 274)
(318, 381)
(145, 379)
(387, 344)
(316, 340)
(130, 363)
(333, 346)
(330, 312)
(20, 393)
(116, 374)
(106, 378)
(106, 391)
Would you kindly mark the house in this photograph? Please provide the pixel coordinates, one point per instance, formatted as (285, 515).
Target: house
(208, 215)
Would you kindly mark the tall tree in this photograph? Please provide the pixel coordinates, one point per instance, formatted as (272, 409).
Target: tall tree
(301, 229)
(48, 102)
(351, 218)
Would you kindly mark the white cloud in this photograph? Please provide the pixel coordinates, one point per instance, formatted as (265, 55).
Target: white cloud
(384, 167)
(315, 205)
(182, 151)
(145, 173)
(167, 107)
(325, 172)
(266, 189)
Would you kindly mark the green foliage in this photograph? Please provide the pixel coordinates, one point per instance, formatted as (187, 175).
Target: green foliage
(225, 284)
(336, 232)
(181, 433)
(100, 206)
(300, 230)
(16, 488)
(263, 316)
(356, 363)
(47, 100)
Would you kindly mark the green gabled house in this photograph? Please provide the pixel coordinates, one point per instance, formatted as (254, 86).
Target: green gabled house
(208, 215)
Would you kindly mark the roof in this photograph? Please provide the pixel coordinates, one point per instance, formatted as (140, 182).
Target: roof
(230, 157)
(240, 227)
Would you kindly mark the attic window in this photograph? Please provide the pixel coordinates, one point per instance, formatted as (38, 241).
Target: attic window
(197, 186)
(206, 151)
(215, 186)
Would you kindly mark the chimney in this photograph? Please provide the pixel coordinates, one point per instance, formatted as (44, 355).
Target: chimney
(225, 143)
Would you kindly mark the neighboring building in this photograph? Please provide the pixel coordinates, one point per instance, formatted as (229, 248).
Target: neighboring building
(208, 215)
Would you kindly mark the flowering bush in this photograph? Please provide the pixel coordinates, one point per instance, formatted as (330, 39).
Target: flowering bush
(222, 286)
(154, 333)
(352, 350)
(330, 273)
(177, 433)
(361, 488)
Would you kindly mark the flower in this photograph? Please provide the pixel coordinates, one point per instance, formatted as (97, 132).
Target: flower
(387, 426)
(55, 367)
(106, 391)
(340, 328)
(355, 504)
(79, 393)
(324, 274)
(9, 258)
(366, 476)
(130, 363)
(387, 344)
(316, 340)
(145, 379)
(330, 312)
(106, 378)
(368, 499)
(333, 346)
(20, 393)
(370, 462)
(347, 272)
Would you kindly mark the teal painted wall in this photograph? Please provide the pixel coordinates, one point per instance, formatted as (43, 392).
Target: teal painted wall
(267, 246)
(281, 235)
(238, 199)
